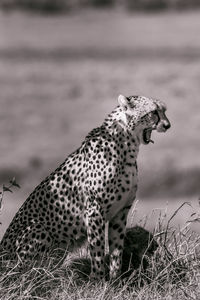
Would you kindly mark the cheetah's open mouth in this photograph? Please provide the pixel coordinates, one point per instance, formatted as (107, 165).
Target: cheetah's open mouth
(147, 136)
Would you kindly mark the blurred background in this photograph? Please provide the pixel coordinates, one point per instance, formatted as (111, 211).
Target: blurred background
(63, 64)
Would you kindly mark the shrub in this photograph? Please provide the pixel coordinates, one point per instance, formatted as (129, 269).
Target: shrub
(59, 6)
(146, 5)
(101, 3)
(184, 4)
(43, 6)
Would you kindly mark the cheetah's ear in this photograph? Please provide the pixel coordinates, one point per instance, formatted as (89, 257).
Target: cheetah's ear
(123, 102)
(161, 105)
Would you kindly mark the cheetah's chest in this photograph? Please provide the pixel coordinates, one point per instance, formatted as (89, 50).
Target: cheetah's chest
(126, 192)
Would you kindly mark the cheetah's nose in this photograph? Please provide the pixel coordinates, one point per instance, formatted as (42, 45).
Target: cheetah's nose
(166, 125)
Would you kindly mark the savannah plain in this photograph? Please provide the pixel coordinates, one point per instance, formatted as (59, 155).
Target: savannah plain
(61, 75)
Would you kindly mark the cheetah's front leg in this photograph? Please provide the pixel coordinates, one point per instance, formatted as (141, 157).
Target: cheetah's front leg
(96, 240)
(117, 227)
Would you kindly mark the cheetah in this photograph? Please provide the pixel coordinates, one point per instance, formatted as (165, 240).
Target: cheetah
(96, 184)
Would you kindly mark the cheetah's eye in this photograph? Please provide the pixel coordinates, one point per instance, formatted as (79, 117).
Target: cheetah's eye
(156, 116)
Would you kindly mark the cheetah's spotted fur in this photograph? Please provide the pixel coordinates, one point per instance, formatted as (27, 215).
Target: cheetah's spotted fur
(95, 184)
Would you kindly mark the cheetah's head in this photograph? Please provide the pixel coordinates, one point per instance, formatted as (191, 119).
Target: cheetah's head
(142, 115)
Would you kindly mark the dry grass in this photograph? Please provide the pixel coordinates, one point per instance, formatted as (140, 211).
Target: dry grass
(173, 273)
